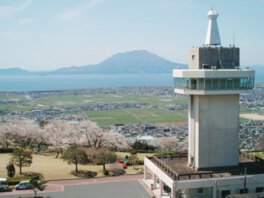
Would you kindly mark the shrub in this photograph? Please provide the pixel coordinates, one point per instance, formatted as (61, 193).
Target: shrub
(139, 147)
(34, 175)
(16, 180)
(139, 162)
(6, 150)
(85, 174)
(118, 172)
(163, 152)
(106, 172)
(133, 152)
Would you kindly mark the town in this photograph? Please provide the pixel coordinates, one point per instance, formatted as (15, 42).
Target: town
(43, 105)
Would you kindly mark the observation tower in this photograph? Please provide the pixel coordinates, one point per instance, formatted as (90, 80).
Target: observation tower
(213, 166)
(213, 82)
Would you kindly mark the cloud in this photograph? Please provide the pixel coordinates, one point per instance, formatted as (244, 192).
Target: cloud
(6, 11)
(25, 21)
(75, 13)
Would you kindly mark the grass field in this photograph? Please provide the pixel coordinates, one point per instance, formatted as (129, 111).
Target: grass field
(110, 117)
(130, 116)
(73, 100)
(53, 169)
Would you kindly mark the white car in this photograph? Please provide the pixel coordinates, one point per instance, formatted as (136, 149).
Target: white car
(3, 184)
(24, 185)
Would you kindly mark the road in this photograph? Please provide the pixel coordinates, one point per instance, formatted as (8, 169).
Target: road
(110, 187)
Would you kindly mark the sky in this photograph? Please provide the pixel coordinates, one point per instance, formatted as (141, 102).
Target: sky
(47, 34)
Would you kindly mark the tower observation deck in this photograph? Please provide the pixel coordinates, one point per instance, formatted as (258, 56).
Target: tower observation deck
(213, 82)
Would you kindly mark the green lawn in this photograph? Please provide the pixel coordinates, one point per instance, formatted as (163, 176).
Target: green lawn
(129, 116)
(20, 107)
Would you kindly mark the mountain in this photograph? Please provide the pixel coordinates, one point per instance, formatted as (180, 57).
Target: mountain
(14, 71)
(139, 61)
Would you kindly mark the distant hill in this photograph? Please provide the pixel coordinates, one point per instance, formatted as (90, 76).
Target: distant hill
(13, 71)
(140, 61)
(133, 62)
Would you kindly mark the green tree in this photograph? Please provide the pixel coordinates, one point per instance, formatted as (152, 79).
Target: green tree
(133, 159)
(104, 156)
(37, 185)
(22, 158)
(142, 147)
(10, 168)
(75, 155)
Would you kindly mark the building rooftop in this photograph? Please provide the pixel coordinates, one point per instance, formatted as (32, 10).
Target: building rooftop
(176, 167)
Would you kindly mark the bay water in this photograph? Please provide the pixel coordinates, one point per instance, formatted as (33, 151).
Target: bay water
(13, 83)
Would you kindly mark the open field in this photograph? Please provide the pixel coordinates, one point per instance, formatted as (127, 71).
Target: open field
(154, 106)
(130, 116)
(73, 100)
(53, 169)
(252, 116)
(153, 111)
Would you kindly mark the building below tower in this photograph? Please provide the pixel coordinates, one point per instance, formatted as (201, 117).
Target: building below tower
(170, 177)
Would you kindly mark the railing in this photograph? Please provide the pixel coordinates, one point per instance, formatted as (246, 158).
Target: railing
(210, 172)
(168, 170)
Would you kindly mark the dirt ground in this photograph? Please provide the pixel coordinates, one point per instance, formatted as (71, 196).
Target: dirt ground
(252, 116)
(53, 169)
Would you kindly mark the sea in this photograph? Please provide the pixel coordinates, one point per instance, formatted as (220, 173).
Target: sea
(25, 83)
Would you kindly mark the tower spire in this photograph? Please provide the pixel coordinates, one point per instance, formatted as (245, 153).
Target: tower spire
(212, 36)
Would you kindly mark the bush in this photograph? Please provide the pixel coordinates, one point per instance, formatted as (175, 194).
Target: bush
(139, 147)
(86, 174)
(133, 152)
(163, 152)
(16, 180)
(139, 162)
(118, 172)
(7, 150)
(106, 172)
(33, 175)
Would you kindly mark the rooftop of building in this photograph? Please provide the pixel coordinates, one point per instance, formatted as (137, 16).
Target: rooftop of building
(176, 167)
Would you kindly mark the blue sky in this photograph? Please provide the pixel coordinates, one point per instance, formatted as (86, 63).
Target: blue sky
(48, 34)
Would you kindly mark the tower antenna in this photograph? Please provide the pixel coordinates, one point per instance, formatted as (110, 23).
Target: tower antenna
(234, 39)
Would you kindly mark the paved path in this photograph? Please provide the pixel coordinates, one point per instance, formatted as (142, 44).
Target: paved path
(122, 186)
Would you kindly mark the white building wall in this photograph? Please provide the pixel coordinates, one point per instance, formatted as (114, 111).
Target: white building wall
(191, 138)
(215, 130)
(189, 187)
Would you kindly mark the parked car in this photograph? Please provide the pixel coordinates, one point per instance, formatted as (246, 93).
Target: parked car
(3, 185)
(24, 185)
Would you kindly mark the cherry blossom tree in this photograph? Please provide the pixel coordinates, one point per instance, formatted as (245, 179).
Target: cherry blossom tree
(58, 132)
(168, 143)
(6, 134)
(96, 137)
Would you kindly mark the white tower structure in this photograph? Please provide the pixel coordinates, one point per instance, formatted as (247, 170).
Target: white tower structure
(213, 166)
(212, 36)
(213, 83)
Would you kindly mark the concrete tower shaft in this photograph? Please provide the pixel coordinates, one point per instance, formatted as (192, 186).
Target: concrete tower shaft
(212, 36)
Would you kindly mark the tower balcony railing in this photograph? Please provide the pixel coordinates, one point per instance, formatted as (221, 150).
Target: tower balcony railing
(214, 84)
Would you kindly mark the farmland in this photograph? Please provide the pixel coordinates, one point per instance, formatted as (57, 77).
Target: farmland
(106, 107)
